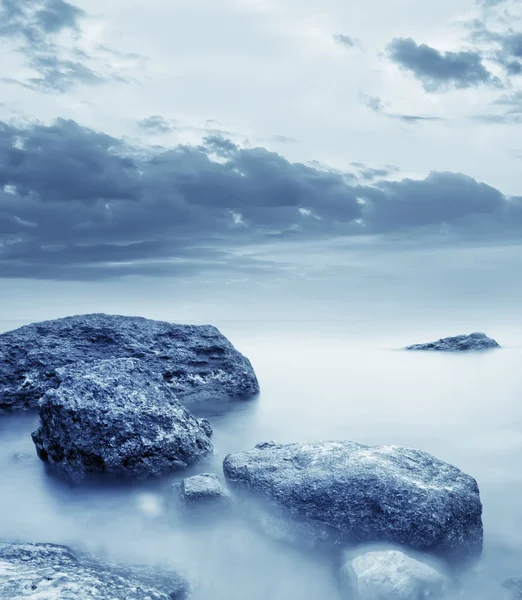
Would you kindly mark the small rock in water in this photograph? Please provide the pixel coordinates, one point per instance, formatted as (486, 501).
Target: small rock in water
(514, 585)
(459, 343)
(48, 571)
(196, 361)
(202, 489)
(390, 575)
(348, 493)
(116, 417)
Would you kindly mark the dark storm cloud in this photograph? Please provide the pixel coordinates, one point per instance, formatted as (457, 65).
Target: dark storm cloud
(440, 70)
(77, 204)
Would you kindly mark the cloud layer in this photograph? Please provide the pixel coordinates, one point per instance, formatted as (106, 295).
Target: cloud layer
(78, 204)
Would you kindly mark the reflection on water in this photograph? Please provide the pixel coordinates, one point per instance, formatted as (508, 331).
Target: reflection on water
(332, 384)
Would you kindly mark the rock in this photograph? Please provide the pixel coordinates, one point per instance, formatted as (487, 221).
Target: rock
(390, 575)
(347, 493)
(116, 417)
(48, 571)
(196, 361)
(514, 585)
(459, 343)
(202, 489)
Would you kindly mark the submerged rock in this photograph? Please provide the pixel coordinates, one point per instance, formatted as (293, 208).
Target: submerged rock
(48, 571)
(196, 361)
(202, 489)
(514, 585)
(390, 575)
(347, 493)
(459, 343)
(114, 416)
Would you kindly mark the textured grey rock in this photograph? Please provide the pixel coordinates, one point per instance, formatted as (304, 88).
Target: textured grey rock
(49, 572)
(459, 343)
(196, 361)
(352, 494)
(114, 416)
(390, 575)
(202, 489)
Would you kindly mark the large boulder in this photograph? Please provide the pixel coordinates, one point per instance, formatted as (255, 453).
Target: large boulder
(347, 493)
(114, 416)
(390, 574)
(47, 571)
(196, 361)
(458, 343)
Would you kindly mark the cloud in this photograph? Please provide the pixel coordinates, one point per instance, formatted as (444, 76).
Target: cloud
(440, 70)
(35, 25)
(346, 40)
(157, 125)
(79, 204)
(377, 105)
(511, 107)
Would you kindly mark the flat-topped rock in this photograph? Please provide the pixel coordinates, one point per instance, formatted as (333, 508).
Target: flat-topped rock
(202, 489)
(391, 574)
(48, 571)
(351, 494)
(196, 361)
(458, 343)
(116, 417)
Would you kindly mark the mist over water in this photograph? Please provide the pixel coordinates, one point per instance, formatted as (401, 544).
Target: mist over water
(319, 381)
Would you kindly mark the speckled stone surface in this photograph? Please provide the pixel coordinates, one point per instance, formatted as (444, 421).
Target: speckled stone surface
(116, 417)
(348, 493)
(202, 489)
(50, 572)
(458, 343)
(196, 361)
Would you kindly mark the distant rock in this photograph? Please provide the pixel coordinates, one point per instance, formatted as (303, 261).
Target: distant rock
(116, 417)
(390, 575)
(514, 585)
(350, 494)
(196, 361)
(47, 571)
(206, 488)
(459, 343)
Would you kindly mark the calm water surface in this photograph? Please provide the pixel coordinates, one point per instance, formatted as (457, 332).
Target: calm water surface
(319, 381)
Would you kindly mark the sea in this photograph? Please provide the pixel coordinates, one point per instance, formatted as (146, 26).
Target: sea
(323, 379)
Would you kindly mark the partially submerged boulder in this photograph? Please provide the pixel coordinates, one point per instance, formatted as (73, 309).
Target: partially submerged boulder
(196, 361)
(116, 417)
(48, 571)
(203, 489)
(458, 343)
(514, 587)
(348, 493)
(390, 574)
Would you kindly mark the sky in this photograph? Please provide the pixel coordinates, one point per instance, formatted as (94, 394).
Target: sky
(259, 158)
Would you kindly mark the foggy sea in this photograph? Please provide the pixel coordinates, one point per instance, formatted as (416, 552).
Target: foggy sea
(319, 381)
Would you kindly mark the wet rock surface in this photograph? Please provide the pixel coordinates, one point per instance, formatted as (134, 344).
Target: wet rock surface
(348, 493)
(203, 489)
(459, 343)
(116, 417)
(196, 361)
(48, 571)
(390, 575)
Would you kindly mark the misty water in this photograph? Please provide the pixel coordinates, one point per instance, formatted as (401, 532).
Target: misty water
(319, 380)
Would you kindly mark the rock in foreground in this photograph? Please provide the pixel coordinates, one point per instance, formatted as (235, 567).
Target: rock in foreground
(390, 575)
(206, 488)
(196, 361)
(116, 417)
(352, 494)
(47, 571)
(459, 343)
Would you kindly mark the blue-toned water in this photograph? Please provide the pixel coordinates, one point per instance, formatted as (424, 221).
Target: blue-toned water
(320, 380)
